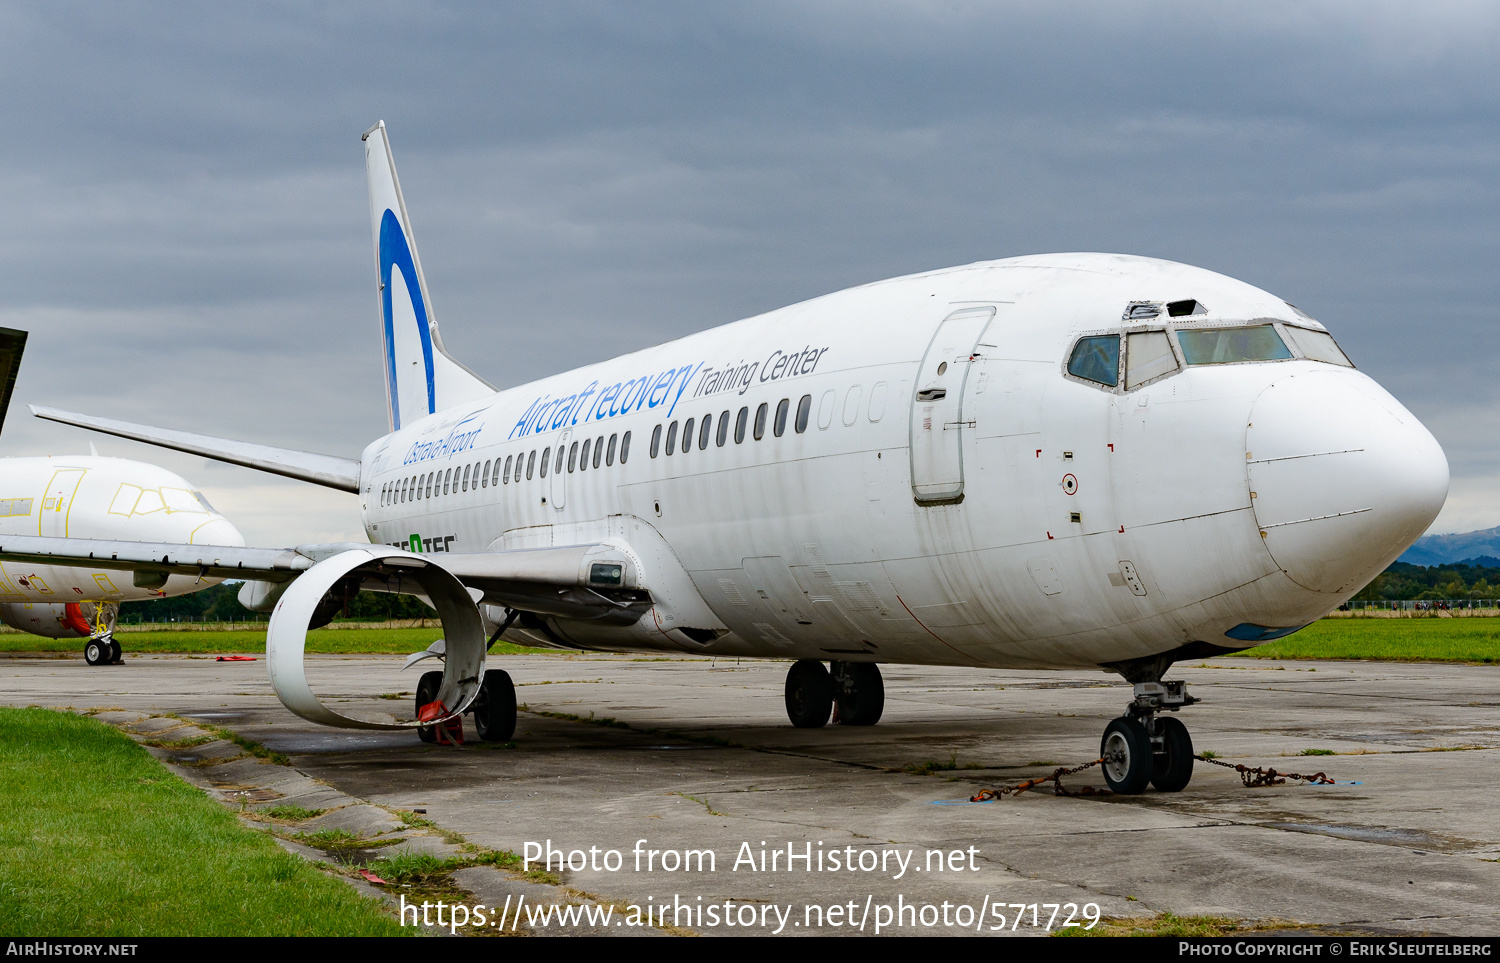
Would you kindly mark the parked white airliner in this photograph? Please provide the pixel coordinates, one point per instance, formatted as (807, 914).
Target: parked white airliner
(1055, 461)
(94, 497)
(90, 497)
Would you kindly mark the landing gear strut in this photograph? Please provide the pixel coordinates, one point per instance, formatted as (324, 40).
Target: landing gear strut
(1142, 747)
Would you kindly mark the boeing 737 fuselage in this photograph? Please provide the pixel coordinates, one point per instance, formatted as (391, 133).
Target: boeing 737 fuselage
(1054, 461)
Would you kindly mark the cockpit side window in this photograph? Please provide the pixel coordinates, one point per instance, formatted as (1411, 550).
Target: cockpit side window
(1097, 359)
(1148, 355)
(1319, 346)
(1255, 342)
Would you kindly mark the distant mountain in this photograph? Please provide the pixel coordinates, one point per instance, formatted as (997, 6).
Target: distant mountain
(1447, 549)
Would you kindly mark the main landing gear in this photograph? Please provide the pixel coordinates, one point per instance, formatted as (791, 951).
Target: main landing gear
(102, 650)
(1143, 747)
(493, 710)
(813, 692)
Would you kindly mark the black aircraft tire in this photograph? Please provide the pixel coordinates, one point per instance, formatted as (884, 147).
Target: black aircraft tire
(1173, 767)
(495, 707)
(809, 694)
(116, 654)
(427, 690)
(860, 693)
(1128, 760)
(97, 652)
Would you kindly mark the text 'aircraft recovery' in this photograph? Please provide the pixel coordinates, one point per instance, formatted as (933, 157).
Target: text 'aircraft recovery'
(1058, 461)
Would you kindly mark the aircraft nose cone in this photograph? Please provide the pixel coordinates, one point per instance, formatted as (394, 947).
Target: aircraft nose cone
(1342, 477)
(218, 531)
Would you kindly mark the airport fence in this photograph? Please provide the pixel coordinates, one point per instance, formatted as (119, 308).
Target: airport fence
(1418, 608)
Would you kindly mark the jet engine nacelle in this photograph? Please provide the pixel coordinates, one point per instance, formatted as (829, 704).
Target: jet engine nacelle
(306, 600)
(58, 620)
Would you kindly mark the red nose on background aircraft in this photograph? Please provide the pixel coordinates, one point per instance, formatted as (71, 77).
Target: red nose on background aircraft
(1055, 461)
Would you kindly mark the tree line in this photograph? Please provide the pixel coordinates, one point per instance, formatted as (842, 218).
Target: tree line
(221, 604)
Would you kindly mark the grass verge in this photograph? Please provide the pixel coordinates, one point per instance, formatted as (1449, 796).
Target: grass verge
(1170, 924)
(101, 840)
(1390, 640)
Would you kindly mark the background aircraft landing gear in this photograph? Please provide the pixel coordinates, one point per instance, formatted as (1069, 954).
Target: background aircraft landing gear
(494, 708)
(99, 651)
(859, 692)
(1145, 747)
(809, 694)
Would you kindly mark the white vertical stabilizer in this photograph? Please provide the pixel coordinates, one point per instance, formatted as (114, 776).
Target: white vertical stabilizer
(420, 376)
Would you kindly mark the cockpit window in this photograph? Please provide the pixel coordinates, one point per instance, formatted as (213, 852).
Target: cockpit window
(1097, 360)
(1319, 346)
(1148, 355)
(1255, 342)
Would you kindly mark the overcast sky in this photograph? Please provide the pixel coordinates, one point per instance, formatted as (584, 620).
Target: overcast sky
(184, 226)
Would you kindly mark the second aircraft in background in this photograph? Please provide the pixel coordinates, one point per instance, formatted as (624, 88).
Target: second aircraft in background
(89, 496)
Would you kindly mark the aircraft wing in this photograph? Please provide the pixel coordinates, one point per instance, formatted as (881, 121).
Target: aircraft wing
(328, 470)
(575, 581)
(219, 561)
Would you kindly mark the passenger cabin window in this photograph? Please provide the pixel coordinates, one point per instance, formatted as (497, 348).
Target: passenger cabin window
(703, 432)
(739, 425)
(804, 409)
(508, 459)
(779, 427)
(656, 441)
(573, 454)
(1097, 360)
(723, 435)
(1256, 342)
(687, 437)
(760, 420)
(672, 436)
(1148, 354)
(609, 458)
(1319, 346)
(599, 450)
(625, 445)
(557, 469)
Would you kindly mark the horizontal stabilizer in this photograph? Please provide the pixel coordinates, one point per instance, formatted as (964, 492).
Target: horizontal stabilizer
(327, 470)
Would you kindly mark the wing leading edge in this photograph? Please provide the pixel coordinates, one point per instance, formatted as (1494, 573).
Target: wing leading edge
(330, 471)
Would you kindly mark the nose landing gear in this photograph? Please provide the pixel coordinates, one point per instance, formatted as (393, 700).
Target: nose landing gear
(102, 650)
(1140, 747)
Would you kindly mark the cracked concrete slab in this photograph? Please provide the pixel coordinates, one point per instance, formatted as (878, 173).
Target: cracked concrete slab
(359, 819)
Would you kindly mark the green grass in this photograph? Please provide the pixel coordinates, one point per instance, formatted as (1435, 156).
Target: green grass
(1163, 924)
(99, 839)
(1390, 640)
(327, 641)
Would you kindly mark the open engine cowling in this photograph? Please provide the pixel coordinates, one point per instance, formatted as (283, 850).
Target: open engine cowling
(377, 568)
